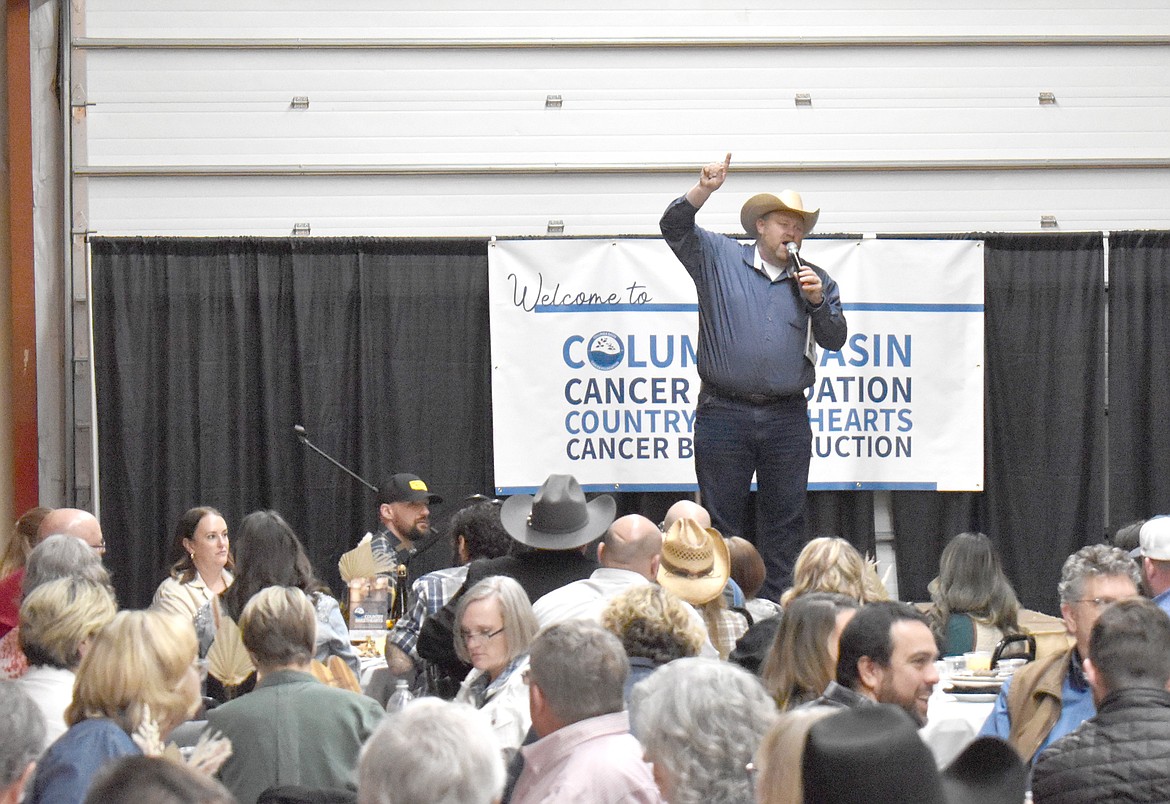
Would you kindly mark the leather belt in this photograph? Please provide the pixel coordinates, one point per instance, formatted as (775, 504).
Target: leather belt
(751, 399)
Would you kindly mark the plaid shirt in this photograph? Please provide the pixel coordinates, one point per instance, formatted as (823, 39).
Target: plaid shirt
(428, 594)
(383, 543)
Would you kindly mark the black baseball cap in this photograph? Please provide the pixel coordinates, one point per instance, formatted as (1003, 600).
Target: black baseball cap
(405, 487)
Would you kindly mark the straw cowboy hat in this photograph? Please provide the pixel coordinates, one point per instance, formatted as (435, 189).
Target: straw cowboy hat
(760, 205)
(695, 563)
(557, 516)
(874, 753)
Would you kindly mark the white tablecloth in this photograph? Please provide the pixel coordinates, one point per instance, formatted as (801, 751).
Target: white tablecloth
(952, 724)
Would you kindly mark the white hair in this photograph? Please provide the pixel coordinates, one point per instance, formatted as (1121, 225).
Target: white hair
(700, 720)
(454, 757)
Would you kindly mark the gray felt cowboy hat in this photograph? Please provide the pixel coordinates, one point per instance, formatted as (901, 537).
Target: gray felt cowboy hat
(557, 516)
(760, 205)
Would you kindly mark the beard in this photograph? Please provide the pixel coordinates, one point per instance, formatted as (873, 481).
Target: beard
(419, 531)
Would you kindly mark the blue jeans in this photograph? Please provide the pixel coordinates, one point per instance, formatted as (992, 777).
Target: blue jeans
(733, 439)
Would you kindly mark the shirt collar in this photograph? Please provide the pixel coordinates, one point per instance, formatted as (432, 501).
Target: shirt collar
(773, 272)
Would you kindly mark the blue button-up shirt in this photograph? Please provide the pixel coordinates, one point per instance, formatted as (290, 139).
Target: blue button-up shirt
(1076, 706)
(754, 333)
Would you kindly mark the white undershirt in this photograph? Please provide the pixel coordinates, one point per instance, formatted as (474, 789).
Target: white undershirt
(766, 267)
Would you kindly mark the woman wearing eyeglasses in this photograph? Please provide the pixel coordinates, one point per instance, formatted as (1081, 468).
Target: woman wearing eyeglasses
(496, 626)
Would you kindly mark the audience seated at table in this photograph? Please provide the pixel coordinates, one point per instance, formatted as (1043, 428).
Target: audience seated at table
(874, 754)
(58, 622)
(1048, 698)
(291, 729)
(24, 735)
(1122, 753)
(655, 627)
(700, 722)
(973, 605)
(702, 729)
(585, 751)
(155, 780)
(831, 564)
(696, 566)
(268, 553)
(803, 658)
(778, 759)
(15, 555)
(57, 556)
(748, 572)
(496, 626)
(202, 563)
(454, 757)
(138, 674)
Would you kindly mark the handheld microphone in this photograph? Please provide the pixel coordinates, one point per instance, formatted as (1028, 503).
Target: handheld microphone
(794, 263)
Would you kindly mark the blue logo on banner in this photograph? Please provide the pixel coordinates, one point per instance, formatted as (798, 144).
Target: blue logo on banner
(606, 351)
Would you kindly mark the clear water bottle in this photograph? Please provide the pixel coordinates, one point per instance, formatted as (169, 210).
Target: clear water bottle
(401, 697)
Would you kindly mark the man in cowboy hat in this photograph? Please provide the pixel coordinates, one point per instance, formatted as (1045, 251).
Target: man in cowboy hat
(762, 313)
(553, 527)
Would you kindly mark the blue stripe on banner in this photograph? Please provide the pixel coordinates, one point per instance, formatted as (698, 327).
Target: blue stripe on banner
(893, 307)
(880, 307)
(873, 486)
(607, 488)
(613, 488)
(616, 308)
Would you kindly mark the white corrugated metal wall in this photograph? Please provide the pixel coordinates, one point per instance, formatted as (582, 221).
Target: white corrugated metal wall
(471, 119)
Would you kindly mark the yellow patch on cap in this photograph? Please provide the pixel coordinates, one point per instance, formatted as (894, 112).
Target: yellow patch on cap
(418, 485)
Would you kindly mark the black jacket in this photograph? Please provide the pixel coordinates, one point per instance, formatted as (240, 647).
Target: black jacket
(1121, 754)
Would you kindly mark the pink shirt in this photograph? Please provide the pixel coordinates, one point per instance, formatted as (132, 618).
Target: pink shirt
(595, 760)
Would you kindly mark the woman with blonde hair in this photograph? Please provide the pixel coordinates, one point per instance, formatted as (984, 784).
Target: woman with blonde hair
(803, 657)
(58, 622)
(655, 627)
(58, 556)
(831, 564)
(495, 628)
(138, 673)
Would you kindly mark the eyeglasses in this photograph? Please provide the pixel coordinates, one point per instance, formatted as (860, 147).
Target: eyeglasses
(1098, 602)
(479, 637)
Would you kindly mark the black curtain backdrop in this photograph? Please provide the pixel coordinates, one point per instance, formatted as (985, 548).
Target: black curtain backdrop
(208, 351)
(1139, 376)
(1044, 434)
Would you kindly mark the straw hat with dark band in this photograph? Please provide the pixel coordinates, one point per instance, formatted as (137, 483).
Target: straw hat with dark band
(695, 563)
(760, 205)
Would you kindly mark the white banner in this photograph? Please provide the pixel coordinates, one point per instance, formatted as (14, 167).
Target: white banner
(593, 366)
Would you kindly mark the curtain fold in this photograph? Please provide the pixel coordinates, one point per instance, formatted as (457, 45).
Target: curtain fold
(209, 351)
(1044, 421)
(1139, 376)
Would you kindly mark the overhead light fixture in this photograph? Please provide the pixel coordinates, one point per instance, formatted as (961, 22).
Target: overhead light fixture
(553, 101)
(803, 99)
(300, 102)
(300, 229)
(556, 227)
(1048, 222)
(1047, 98)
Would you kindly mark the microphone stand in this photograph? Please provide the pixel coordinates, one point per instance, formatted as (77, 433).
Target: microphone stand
(303, 437)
